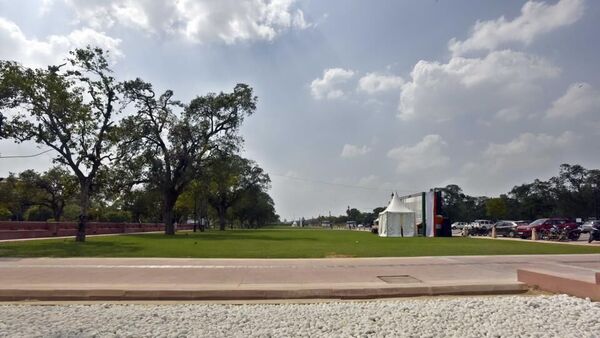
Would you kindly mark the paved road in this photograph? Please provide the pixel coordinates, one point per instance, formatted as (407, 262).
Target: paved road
(219, 274)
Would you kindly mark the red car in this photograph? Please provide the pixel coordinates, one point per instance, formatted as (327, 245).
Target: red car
(524, 231)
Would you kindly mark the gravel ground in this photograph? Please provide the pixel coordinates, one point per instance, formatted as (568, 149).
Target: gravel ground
(507, 316)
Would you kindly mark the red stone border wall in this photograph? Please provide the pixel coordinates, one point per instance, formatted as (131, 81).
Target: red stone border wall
(18, 230)
(560, 284)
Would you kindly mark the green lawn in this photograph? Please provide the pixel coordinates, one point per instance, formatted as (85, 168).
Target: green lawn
(277, 243)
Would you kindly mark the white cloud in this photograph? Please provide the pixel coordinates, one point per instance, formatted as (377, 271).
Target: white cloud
(501, 80)
(228, 21)
(536, 18)
(45, 6)
(330, 85)
(580, 98)
(375, 83)
(350, 151)
(509, 114)
(51, 50)
(521, 159)
(527, 151)
(427, 154)
(369, 181)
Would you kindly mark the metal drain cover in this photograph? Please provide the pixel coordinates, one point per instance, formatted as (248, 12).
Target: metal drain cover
(400, 279)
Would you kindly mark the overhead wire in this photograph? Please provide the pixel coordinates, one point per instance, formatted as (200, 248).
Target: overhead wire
(27, 156)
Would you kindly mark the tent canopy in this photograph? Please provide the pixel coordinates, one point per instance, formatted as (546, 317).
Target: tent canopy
(396, 206)
(397, 220)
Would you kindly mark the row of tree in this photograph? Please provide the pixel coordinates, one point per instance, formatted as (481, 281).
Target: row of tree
(573, 193)
(123, 137)
(352, 214)
(234, 191)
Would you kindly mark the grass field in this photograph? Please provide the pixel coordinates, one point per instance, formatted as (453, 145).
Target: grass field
(277, 243)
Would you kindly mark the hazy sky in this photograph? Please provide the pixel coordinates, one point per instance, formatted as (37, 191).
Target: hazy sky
(356, 98)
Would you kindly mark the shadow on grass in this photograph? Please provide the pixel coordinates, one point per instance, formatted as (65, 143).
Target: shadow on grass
(70, 248)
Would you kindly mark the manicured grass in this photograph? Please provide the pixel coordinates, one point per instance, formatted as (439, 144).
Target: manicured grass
(278, 243)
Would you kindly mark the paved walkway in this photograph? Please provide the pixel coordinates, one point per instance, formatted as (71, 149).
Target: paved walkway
(164, 278)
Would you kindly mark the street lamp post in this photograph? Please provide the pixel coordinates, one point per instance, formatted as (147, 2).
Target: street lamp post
(595, 188)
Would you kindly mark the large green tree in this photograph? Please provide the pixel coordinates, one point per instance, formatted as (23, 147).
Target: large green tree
(254, 207)
(69, 108)
(167, 143)
(16, 197)
(496, 208)
(52, 189)
(229, 177)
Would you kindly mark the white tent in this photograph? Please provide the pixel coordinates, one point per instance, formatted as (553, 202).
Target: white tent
(397, 220)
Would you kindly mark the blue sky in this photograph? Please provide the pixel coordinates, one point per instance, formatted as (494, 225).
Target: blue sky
(356, 98)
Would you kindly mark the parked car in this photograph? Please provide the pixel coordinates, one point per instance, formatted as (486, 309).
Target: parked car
(508, 228)
(594, 233)
(458, 225)
(479, 227)
(544, 224)
(587, 226)
(482, 223)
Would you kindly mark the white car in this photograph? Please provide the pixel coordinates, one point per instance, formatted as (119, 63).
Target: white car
(458, 225)
(587, 226)
(482, 223)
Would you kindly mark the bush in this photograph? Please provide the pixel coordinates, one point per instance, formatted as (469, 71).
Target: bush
(38, 213)
(5, 214)
(116, 216)
(71, 212)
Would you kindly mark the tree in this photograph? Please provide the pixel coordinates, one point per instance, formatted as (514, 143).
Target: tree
(354, 215)
(378, 210)
(38, 213)
(168, 149)
(496, 208)
(71, 110)
(16, 197)
(255, 208)
(535, 199)
(143, 203)
(55, 188)
(230, 175)
(5, 214)
(192, 202)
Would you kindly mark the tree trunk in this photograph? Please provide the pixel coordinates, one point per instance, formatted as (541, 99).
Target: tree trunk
(222, 222)
(84, 206)
(169, 205)
(58, 211)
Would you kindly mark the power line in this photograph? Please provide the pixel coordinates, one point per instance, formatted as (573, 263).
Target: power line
(27, 156)
(339, 184)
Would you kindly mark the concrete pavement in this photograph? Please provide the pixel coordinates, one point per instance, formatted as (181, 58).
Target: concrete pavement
(166, 278)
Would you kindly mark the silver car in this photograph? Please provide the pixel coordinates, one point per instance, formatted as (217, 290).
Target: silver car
(482, 223)
(587, 226)
(458, 225)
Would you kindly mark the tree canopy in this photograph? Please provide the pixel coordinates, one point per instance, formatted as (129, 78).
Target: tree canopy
(122, 166)
(69, 108)
(166, 143)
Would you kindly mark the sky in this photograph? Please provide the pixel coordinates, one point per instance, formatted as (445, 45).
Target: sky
(357, 99)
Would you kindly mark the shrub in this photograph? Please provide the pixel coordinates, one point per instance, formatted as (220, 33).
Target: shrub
(5, 214)
(37, 213)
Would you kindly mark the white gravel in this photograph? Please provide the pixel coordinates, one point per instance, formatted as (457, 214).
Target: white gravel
(509, 316)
